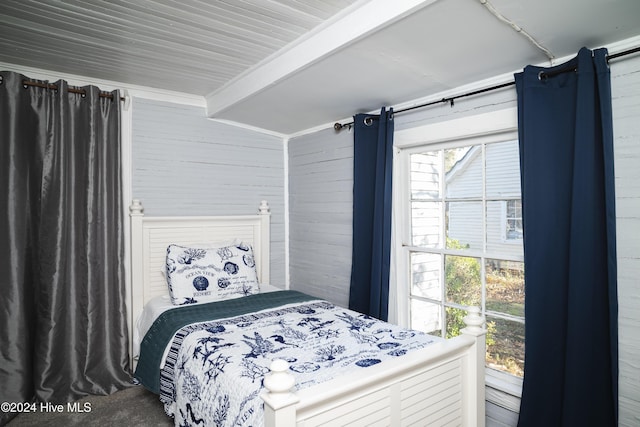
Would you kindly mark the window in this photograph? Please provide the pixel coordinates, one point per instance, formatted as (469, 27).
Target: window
(513, 219)
(459, 240)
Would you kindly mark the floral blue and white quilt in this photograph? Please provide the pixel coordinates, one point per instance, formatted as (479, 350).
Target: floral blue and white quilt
(214, 370)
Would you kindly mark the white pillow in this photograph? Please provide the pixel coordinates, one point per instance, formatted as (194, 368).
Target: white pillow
(210, 274)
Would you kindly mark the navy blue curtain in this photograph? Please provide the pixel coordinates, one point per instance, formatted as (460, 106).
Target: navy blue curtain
(566, 161)
(372, 166)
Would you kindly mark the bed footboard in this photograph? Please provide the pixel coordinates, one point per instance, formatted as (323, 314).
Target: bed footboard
(442, 384)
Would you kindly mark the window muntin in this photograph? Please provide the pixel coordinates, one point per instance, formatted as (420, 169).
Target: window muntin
(465, 248)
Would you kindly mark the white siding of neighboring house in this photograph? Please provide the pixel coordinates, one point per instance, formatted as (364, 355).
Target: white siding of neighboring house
(502, 183)
(426, 209)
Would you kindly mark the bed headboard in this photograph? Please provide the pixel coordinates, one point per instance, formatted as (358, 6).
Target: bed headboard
(150, 237)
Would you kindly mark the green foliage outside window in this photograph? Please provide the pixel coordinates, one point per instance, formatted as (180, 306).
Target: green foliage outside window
(464, 287)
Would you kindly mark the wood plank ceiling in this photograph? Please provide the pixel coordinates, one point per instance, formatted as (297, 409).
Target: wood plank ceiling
(190, 46)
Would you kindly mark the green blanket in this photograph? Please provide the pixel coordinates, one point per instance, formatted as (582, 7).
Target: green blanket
(169, 322)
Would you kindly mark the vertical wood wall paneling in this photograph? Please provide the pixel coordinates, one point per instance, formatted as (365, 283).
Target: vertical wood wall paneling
(186, 164)
(320, 214)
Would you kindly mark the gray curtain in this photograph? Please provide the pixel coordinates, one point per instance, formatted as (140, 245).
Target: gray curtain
(63, 329)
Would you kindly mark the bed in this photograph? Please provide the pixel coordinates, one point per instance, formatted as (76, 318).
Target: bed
(421, 381)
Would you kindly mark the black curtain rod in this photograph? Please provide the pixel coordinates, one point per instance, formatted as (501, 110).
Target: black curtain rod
(450, 100)
(569, 69)
(72, 89)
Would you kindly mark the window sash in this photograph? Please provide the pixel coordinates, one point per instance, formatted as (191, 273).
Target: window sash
(440, 200)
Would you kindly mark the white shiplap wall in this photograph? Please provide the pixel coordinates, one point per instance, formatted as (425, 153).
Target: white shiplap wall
(625, 92)
(320, 214)
(319, 167)
(186, 164)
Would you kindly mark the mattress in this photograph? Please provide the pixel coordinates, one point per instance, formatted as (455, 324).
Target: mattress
(158, 305)
(219, 353)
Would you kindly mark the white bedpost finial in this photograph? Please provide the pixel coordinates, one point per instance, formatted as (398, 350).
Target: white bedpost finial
(279, 382)
(279, 401)
(473, 320)
(136, 207)
(264, 208)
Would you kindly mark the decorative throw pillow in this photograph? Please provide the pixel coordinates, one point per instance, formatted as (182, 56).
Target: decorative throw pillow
(210, 274)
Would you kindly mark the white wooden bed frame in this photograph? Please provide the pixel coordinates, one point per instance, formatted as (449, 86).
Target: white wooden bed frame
(440, 385)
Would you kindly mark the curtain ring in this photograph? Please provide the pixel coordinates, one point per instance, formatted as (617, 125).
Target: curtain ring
(542, 76)
(368, 121)
(1, 80)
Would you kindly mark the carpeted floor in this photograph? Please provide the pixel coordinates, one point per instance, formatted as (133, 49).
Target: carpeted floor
(134, 406)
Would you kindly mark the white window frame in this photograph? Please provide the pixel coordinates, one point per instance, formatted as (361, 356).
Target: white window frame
(500, 125)
(504, 219)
